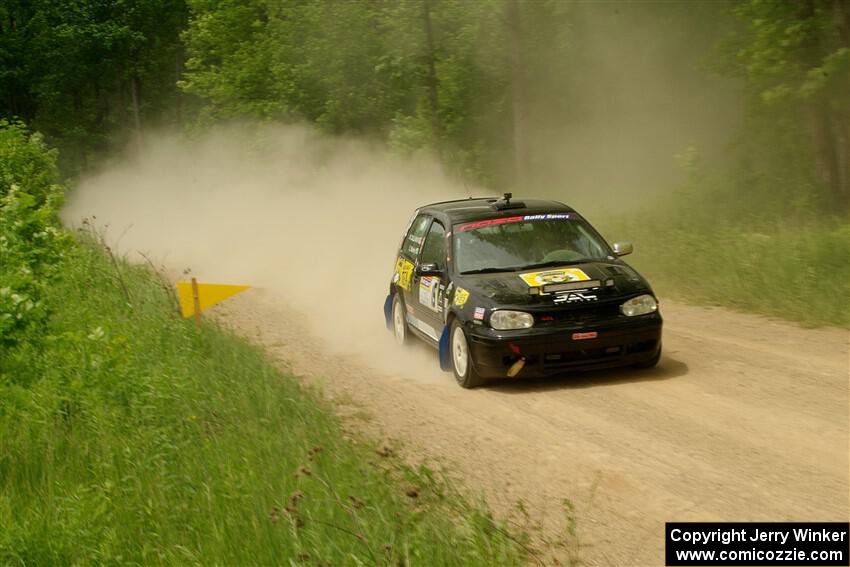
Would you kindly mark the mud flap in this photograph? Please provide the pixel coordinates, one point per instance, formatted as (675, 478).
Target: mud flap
(388, 312)
(445, 350)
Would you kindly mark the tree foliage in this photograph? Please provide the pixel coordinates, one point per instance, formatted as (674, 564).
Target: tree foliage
(431, 74)
(90, 74)
(794, 58)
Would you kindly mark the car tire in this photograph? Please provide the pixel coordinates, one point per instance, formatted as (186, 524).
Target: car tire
(399, 322)
(651, 362)
(462, 367)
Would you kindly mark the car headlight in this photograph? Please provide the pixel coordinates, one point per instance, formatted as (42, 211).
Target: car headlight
(640, 305)
(506, 320)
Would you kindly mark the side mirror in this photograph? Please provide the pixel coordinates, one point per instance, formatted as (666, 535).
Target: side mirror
(428, 270)
(623, 248)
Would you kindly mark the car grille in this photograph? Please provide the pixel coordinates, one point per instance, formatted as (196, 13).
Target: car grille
(598, 312)
(599, 354)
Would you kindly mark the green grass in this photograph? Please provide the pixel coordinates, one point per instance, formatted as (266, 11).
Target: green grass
(129, 437)
(792, 270)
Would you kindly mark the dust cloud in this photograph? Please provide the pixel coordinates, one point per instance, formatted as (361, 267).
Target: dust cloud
(313, 219)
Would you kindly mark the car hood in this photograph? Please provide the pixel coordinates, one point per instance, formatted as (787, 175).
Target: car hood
(506, 289)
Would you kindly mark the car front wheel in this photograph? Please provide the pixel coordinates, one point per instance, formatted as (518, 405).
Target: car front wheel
(461, 360)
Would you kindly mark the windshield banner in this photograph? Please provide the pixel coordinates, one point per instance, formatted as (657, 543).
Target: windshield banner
(491, 222)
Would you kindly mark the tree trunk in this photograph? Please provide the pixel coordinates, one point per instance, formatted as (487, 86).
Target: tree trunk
(431, 80)
(135, 88)
(842, 21)
(518, 93)
(82, 161)
(828, 125)
(826, 150)
(178, 73)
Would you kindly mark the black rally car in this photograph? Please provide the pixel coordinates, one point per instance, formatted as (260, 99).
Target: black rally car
(509, 288)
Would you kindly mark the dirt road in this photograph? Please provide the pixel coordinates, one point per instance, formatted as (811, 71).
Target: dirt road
(745, 419)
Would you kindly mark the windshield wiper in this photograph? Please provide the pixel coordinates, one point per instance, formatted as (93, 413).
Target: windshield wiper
(490, 270)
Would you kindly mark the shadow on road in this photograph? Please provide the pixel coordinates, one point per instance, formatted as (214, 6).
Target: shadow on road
(667, 368)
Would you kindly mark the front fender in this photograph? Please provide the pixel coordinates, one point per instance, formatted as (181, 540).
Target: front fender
(445, 349)
(388, 311)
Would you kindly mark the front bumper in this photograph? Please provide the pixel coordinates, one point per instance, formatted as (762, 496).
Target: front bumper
(621, 342)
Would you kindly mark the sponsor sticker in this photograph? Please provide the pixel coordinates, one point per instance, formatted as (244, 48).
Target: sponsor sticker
(429, 292)
(574, 297)
(556, 276)
(548, 216)
(583, 336)
(404, 270)
(461, 295)
(478, 315)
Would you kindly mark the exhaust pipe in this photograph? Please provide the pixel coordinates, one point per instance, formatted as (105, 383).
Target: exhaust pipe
(516, 367)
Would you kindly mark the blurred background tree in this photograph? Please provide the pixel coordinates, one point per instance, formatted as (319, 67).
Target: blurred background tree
(91, 75)
(794, 59)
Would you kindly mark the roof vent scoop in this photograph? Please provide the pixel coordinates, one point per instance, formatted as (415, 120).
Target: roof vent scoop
(505, 203)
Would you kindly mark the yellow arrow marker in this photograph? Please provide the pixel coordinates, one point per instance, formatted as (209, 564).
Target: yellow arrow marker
(208, 295)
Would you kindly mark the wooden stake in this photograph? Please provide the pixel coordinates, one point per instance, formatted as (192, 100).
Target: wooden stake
(196, 300)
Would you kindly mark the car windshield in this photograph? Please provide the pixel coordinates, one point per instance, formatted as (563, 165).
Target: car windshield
(524, 242)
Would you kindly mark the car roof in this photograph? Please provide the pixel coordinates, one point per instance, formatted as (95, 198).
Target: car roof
(482, 208)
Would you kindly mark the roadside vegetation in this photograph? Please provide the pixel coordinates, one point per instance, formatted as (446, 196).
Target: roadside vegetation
(707, 246)
(128, 436)
(798, 272)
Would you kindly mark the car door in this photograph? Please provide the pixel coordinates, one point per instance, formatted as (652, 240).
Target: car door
(429, 288)
(411, 246)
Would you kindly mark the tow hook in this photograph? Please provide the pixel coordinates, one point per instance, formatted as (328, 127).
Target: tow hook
(516, 367)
